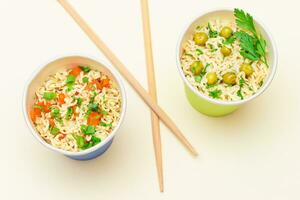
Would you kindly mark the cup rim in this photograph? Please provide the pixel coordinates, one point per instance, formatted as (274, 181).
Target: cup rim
(220, 102)
(34, 132)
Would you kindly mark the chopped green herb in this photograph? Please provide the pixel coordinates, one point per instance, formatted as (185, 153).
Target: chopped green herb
(69, 113)
(94, 95)
(95, 140)
(87, 145)
(239, 93)
(88, 130)
(98, 117)
(70, 79)
(198, 27)
(70, 82)
(55, 113)
(69, 87)
(242, 82)
(212, 33)
(79, 140)
(199, 52)
(103, 112)
(215, 94)
(88, 114)
(38, 107)
(85, 79)
(212, 48)
(79, 101)
(190, 55)
(54, 130)
(198, 79)
(105, 124)
(93, 106)
(49, 96)
(203, 72)
(85, 69)
(210, 86)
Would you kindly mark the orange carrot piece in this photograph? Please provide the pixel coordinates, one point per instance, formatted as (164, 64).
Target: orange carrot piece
(51, 122)
(32, 115)
(74, 111)
(61, 98)
(61, 136)
(94, 119)
(105, 82)
(47, 107)
(36, 112)
(75, 71)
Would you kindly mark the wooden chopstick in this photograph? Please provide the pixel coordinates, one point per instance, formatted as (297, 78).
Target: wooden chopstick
(152, 91)
(127, 75)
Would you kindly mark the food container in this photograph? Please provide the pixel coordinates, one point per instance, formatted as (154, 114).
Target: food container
(52, 67)
(203, 103)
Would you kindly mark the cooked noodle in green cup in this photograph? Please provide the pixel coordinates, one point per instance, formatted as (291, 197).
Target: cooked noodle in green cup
(226, 60)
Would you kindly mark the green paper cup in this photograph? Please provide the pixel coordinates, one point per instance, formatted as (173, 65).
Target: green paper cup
(203, 103)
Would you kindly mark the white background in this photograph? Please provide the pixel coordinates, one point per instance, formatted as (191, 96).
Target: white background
(252, 154)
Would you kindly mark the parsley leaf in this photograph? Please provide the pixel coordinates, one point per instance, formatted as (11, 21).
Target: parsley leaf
(248, 48)
(230, 40)
(244, 20)
(257, 49)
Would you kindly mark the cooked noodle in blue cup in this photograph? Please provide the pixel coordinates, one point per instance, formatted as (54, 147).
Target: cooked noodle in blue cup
(74, 105)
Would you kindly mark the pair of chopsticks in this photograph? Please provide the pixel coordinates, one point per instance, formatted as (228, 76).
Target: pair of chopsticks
(148, 98)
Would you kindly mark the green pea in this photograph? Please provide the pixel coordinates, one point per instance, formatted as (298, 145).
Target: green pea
(229, 78)
(226, 32)
(200, 38)
(225, 51)
(247, 69)
(196, 67)
(211, 78)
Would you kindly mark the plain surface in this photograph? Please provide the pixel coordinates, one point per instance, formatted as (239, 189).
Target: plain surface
(251, 154)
